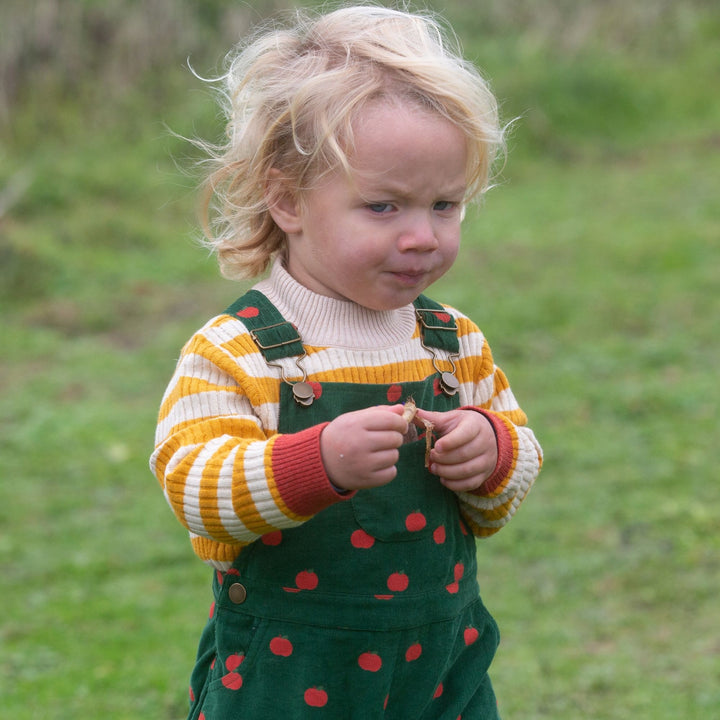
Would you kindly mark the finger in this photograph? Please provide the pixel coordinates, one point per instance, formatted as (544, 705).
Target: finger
(460, 437)
(385, 417)
(476, 467)
(458, 446)
(467, 485)
(382, 460)
(447, 454)
(379, 477)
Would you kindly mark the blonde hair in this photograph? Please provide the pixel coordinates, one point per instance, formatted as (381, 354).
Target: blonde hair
(291, 95)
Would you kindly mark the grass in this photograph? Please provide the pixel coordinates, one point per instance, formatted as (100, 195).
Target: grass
(592, 269)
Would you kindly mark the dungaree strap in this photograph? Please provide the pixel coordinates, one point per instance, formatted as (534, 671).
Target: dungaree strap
(275, 337)
(437, 325)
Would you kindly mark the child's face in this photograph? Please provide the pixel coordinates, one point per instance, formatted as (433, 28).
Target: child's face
(383, 235)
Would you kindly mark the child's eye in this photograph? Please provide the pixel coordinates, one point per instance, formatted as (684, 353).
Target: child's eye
(444, 205)
(379, 208)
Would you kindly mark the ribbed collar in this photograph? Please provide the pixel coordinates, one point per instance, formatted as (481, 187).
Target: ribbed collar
(325, 321)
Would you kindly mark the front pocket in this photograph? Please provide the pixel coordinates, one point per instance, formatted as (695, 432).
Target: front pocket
(237, 636)
(408, 508)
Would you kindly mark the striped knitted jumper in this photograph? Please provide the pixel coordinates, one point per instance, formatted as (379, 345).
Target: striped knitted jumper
(231, 477)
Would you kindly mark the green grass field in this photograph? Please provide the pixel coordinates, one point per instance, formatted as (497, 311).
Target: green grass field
(594, 270)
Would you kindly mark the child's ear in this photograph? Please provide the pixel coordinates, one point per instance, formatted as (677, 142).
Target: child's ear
(282, 203)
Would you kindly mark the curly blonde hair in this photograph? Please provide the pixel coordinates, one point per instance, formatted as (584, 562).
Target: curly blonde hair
(291, 95)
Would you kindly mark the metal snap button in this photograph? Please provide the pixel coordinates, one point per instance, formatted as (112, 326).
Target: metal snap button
(237, 593)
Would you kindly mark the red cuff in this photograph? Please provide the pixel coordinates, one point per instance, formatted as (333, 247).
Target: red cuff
(505, 449)
(300, 475)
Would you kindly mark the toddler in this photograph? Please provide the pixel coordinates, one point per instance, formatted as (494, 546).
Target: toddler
(341, 527)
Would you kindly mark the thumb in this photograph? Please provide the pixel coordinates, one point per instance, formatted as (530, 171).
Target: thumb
(441, 421)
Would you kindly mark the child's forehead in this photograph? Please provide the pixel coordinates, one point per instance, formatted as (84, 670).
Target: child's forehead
(398, 150)
(395, 130)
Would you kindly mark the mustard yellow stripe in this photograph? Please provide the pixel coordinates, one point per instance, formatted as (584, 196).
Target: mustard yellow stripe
(409, 371)
(208, 494)
(262, 390)
(241, 345)
(243, 503)
(197, 433)
(500, 383)
(211, 550)
(480, 531)
(192, 431)
(466, 326)
(175, 483)
(516, 417)
(498, 513)
(474, 368)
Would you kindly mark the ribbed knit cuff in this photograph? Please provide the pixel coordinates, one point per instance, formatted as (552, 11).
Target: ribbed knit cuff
(300, 474)
(506, 452)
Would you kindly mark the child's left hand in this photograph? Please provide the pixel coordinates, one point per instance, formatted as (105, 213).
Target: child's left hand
(465, 454)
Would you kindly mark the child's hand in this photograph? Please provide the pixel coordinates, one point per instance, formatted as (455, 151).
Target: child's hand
(465, 454)
(360, 449)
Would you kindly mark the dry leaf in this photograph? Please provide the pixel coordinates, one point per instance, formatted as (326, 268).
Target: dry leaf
(410, 416)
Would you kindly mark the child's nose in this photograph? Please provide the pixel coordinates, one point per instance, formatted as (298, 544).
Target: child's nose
(418, 236)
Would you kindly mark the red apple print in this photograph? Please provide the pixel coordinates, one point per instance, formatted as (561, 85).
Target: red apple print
(387, 697)
(384, 597)
(438, 691)
(201, 716)
(458, 571)
(394, 393)
(452, 588)
(361, 540)
(219, 576)
(370, 661)
(316, 697)
(415, 521)
(413, 652)
(306, 580)
(233, 571)
(463, 529)
(470, 635)
(192, 695)
(281, 646)
(248, 312)
(234, 661)
(317, 389)
(437, 389)
(398, 581)
(272, 538)
(212, 609)
(443, 317)
(439, 535)
(232, 681)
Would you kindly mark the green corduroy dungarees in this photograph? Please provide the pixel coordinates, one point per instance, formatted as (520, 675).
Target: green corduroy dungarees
(369, 610)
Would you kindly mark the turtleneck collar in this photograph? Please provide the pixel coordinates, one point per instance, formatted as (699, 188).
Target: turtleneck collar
(325, 321)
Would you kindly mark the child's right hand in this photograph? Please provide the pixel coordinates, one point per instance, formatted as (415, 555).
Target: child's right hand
(360, 449)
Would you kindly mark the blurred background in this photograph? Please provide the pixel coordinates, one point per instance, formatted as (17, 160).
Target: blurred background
(593, 268)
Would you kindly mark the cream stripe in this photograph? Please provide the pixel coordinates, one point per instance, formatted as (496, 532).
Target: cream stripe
(232, 524)
(262, 496)
(192, 500)
(203, 406)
